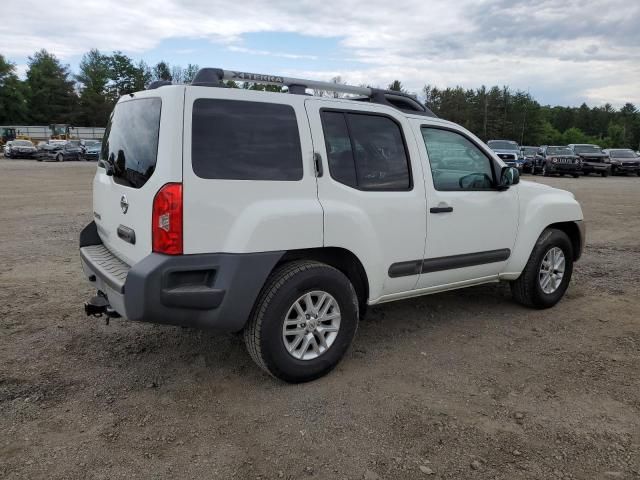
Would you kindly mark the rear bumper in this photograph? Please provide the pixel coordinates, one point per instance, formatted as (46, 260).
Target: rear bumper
(209, 291)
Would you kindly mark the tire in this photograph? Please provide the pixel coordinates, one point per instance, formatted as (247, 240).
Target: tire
(576, 175)
(527, 289)
(605, 174)
(287, 285)
(544, 171)
(586, 174)
(60, 158)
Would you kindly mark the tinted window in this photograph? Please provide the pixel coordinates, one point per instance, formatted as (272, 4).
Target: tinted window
(366, 151)
(338, 143)
(131, 141)
(238, 140)
(456, 162)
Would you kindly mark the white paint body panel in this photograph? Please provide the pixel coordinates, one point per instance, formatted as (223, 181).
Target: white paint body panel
(242, 216)
(481, 220)
(107, 193)
(379, 227)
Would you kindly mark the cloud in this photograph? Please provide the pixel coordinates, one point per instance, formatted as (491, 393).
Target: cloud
(581, 49)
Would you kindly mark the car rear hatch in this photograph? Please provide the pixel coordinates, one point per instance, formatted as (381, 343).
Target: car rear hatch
(141, 151)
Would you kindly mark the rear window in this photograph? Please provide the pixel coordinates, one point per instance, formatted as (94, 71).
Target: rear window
(131, 141)
(237, 140)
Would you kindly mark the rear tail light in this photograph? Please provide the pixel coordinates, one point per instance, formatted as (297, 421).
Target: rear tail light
(166, 220)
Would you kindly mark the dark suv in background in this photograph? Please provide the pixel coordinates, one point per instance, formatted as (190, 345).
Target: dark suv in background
(528, 158)
(623, 160)
(594, 160)
(557, 159)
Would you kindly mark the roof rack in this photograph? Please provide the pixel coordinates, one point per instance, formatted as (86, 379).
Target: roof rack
(214, 77)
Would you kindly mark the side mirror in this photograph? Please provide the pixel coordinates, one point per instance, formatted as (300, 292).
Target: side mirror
(508, 176)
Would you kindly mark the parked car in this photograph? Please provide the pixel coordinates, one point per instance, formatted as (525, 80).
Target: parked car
(594, 160)
(508, 151)
(528, 155)
(557, 159)
(6, 147)
(90, 149)
(623, 160)
(20, 149)
(284, 216)
(62, 152)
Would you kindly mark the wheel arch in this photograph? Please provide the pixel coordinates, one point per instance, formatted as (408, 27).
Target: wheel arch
(340, 258)
(575, 232)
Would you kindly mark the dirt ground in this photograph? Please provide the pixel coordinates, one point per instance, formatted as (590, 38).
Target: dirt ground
(465, 384)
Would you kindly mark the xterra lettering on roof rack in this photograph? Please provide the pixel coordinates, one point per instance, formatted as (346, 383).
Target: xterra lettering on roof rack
(214, 77)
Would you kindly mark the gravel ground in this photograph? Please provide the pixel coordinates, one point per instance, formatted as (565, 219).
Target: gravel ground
(458, 385)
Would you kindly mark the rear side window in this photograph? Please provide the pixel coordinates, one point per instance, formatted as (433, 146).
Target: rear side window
(237, 140)
(366, 151)
(131, 141)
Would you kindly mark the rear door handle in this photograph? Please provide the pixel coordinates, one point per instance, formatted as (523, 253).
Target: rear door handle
(441, 209)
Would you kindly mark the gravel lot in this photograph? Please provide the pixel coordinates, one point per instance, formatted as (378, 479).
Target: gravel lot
(459, 385)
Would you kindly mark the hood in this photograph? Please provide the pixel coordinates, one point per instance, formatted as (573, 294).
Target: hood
(542, 188)
(513, 152)
(622, 159)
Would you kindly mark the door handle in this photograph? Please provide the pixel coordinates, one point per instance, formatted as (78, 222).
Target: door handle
(441, 209)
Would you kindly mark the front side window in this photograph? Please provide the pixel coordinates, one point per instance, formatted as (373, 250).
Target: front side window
(366, 151)
(456, 162)
(238, 140)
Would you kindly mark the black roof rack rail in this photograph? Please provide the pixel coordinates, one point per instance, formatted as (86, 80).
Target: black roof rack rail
(214, 77)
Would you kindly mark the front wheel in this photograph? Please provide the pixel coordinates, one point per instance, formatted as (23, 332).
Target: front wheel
(605, 174)
(545, 173)
(576, 175)
(546, 276)
(303, 321)
(60, 158)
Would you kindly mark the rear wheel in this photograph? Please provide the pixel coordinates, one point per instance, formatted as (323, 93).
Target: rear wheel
(547, 274)
(303, 321)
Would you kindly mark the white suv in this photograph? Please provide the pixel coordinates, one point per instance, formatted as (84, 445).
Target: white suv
(286, 215)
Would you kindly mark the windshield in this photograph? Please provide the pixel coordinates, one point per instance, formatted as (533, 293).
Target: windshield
(559, 151)
(587, 149)
(130, 142)
(91, 143)
(22, 143)
(623, 154)
(502, 145)
(530, 150)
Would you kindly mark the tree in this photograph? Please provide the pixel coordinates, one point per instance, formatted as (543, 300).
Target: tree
(396, 86)
(190, 72)
(127, 77)
(95, 101)
(13, 108)
(161, 71)
(51, 97)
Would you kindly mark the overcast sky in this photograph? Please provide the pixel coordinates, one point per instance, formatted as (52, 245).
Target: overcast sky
(563, 51)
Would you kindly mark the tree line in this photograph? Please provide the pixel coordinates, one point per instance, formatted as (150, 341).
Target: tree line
(51, 93)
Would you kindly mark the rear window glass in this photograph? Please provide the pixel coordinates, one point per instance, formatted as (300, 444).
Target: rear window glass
(237, 140)
(131, 141)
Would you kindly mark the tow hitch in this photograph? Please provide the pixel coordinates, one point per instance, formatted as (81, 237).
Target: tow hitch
(98, 306)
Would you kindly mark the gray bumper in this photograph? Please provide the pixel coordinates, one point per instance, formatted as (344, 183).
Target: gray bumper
(210, 291)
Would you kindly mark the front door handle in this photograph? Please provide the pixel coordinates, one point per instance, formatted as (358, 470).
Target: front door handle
(441, 209)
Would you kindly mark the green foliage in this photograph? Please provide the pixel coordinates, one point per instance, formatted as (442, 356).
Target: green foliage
(396, 86)
(50, 93)
(13, 107)
(95, 102)
(500, 113)
(161, 71)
